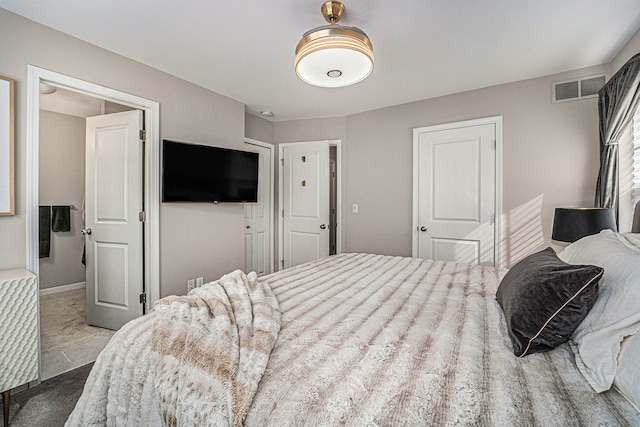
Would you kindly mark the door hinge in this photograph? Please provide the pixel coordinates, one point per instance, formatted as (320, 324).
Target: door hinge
(142, 216)
(143, 135)
(282, 162)
(282, 263)
(143, 298)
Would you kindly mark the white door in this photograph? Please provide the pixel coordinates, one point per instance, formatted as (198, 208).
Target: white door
(455, 177)
(113, 231)
(257, 217)
(305, 202)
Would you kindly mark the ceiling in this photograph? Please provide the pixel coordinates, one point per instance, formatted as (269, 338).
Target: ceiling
(71, 103)
(244, 49)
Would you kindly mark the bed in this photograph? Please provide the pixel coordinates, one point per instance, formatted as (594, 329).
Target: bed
(360, 339)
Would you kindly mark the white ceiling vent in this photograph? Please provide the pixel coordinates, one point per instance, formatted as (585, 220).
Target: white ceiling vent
(571, 90)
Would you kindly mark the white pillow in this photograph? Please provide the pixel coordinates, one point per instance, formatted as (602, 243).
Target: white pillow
(627, 379)
(616, 312)
(633, 239)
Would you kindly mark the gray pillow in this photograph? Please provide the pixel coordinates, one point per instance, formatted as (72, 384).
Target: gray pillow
(544, 300)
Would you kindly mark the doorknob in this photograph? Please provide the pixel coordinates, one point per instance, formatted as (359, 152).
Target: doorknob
(87, 231)
(423, 228)
(322, 227)
(248, 227)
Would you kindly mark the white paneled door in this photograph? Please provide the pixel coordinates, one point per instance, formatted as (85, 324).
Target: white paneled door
(257, 217)
(305, 202)
(455, 191)
(113, 230)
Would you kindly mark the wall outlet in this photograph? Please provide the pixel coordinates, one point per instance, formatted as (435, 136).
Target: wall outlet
(191, 284)
(199, 281)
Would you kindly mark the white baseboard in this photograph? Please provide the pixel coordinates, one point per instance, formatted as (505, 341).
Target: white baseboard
(63, 288)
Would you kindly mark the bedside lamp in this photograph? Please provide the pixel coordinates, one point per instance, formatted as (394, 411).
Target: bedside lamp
(571, 224)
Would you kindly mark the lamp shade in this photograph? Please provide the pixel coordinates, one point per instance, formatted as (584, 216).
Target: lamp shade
(333, 55)
(571, 224)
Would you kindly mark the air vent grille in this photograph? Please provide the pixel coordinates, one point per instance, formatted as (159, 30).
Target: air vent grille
(572, 90)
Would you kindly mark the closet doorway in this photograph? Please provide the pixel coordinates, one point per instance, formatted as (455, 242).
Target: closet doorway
(457, 191)
(310, 201)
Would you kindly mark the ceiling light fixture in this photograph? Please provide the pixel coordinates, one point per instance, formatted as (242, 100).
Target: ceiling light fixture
(333, 55)
(46, 89)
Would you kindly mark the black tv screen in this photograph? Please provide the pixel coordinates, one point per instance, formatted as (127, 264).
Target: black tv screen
(202, 173)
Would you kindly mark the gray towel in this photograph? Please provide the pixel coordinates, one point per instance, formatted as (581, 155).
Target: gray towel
(60, 218)
(44, 229)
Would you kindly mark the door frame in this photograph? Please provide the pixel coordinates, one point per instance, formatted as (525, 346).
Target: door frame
(497, 122)
(151, 109)
(271, 148)
(332, 143)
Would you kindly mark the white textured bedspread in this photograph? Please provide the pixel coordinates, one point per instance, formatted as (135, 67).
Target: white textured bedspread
(377, 340)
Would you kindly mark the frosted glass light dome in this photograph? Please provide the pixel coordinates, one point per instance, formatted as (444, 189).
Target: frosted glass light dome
(332, 55)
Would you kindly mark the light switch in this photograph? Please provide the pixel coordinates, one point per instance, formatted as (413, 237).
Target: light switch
(354, 208)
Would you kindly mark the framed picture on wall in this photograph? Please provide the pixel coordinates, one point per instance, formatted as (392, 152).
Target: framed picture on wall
(6, 147)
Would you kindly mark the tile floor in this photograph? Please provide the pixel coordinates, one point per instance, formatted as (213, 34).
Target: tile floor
(67, 342)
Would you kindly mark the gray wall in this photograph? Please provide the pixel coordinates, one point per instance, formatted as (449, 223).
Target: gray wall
(195, 240)
(630, 49)
(258, 128)
(550, 154)
(61, 182)
(310, 130)
(550, 160)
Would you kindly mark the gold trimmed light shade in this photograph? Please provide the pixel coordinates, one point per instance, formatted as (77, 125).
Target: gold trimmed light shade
(332, 55)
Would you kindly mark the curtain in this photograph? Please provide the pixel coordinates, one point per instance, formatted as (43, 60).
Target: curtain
(617, 102)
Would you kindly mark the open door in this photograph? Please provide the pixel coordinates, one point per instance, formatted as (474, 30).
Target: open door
(114, 211)
(258, 244)
(306, 206)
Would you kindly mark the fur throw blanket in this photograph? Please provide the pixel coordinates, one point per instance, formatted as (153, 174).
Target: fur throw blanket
(194, 360)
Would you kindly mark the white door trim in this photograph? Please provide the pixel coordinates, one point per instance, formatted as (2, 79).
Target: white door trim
(497, 122)
(151, 110)
(271, 148)
(280, 212)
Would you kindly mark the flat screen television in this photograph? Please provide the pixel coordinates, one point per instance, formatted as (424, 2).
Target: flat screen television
(202, 173)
